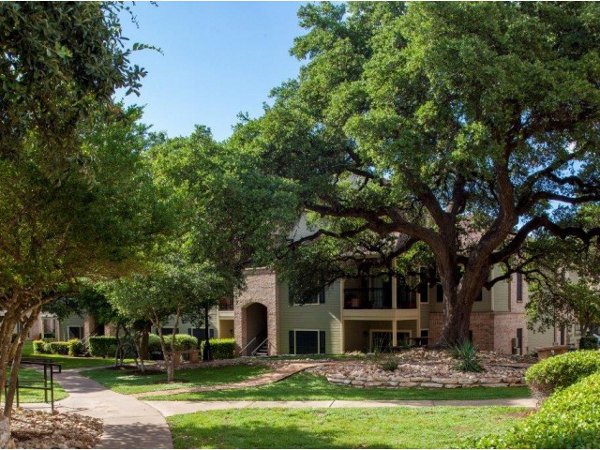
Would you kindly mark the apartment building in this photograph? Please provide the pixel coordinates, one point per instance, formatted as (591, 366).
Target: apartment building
(374, 313)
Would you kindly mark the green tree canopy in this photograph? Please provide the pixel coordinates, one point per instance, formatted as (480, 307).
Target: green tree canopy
(454, 128)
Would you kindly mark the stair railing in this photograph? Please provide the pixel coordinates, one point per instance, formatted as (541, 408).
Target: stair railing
(266, 340)
(246, 346)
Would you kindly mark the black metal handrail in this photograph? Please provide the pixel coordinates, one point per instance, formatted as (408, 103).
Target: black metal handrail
(49, 371)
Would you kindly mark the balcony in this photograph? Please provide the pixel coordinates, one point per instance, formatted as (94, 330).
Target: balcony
(226, 304)
(367, 298)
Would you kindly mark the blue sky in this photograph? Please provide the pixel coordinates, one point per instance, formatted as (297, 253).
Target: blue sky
(218, 59)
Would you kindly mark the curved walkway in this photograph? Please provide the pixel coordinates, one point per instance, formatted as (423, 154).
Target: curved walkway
(171, 408)
(128, 422)
(280, 373)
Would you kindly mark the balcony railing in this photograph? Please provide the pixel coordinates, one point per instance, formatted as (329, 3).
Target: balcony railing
(367, 298)
(225, 304)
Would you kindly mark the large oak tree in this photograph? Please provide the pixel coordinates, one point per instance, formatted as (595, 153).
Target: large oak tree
(460, 129)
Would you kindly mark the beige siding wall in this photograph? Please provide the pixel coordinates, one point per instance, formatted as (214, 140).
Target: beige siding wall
(325, 317)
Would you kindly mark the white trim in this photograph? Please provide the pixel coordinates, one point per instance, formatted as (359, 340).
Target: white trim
(318, 339)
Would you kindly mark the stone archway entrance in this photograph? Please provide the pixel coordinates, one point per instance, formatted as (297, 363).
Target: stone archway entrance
(255, 313)
(255, 318)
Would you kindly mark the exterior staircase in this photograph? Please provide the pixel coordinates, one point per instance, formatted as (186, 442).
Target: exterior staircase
(263, 350)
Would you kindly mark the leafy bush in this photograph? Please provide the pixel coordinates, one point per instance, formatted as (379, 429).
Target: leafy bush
(183, 342)
(221, 348)
(58, 347)
(568, 419)
(38, 347)
(466, 354)
(389, 364)
(103, 346)
(558, 372)
(588, 342)
(76, 347)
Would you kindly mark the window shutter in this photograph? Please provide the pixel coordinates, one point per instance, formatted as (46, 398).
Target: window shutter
(292, 342)
(322, 342)
(322, 296)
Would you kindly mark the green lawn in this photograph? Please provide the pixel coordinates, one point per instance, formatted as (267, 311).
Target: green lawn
(69, 362)
(305, 386)
(33, 377)
(439, 427)
(126, 382)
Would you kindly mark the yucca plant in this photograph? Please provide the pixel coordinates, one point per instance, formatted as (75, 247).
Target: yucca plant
(466, 354)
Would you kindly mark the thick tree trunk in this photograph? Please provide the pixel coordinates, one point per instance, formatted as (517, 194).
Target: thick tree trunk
(460, 292)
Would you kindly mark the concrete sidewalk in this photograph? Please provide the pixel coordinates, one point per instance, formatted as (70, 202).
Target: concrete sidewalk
(171, 408)
(128, 422)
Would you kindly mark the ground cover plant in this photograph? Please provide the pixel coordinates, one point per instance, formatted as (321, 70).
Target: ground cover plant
(440, 427)
(568, 419)
(129, 381)
(305, 386)
(559, 372)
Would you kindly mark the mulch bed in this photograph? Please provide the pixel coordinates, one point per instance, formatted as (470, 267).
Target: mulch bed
(37, 429)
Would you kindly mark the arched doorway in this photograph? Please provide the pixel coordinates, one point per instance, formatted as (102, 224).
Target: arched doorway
(255, 330)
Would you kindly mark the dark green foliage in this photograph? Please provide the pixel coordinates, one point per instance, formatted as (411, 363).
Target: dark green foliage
(58, 347)
(559, 372)
(568, 419)
(38, 347)
(221, 348)
(389, 365)
(182, 342)
(76, 347)
(588, 342)
(154, 344)
(103, 346)
(466, 354)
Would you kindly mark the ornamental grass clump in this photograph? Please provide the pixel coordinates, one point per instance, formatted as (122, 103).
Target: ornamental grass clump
(467, 360)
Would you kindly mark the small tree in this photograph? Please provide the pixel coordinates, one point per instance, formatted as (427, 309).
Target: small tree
(565, 281)
(168, 291)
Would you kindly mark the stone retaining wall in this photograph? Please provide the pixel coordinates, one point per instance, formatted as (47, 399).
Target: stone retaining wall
(394, 381)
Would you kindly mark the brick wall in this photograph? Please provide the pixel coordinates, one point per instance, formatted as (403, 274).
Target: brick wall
(491, 331)
(261, 287)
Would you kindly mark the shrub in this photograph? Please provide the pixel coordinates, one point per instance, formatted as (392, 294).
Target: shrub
(558, 372)
(183, 342)
(76, 347)
(568, 419)
(58, 347)
(38, 347)
(588, 342)
(466, 354)
(221, 348)
(103, 346)
(389, 365)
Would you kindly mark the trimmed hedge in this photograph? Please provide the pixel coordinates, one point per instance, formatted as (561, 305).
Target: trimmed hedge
(76, 347)
(588, 342)
(568, 419)
(38, 347)
(183, 342)
(57, 348)
(221, 348)
(558, 372)
(103, 346)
